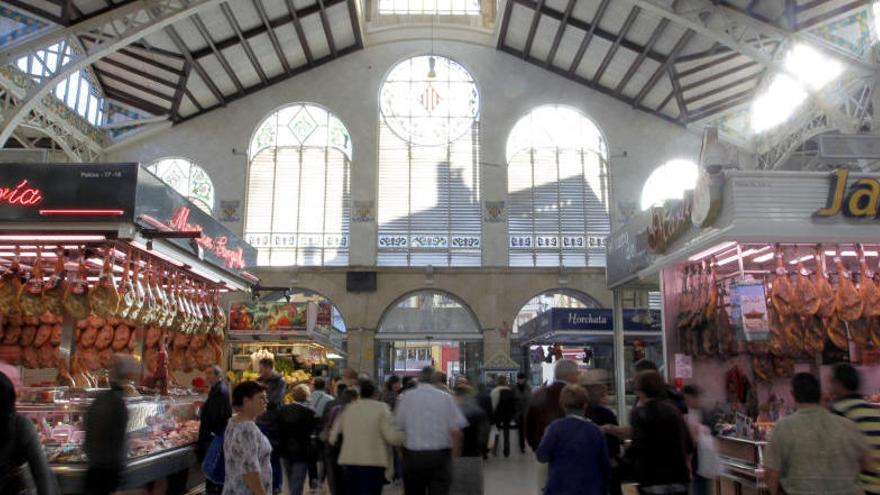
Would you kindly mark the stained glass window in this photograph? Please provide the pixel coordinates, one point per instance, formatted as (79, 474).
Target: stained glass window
(557, 184)
(188, 179)
(429, 173)
(298, 199)
(669, 181)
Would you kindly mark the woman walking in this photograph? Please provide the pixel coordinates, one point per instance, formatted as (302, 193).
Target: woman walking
(23, 466)
(247, 451)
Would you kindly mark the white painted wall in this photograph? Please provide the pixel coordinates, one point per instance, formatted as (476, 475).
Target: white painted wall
(349, 87)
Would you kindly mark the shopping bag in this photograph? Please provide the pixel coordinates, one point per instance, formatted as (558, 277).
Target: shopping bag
(214, 465)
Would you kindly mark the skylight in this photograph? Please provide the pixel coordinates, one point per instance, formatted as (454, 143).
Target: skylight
(429, 7)
(876, 10)
(805, 69)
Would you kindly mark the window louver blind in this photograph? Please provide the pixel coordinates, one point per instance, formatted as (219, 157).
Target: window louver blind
(429, 195)
(558, 197)
(299, 202)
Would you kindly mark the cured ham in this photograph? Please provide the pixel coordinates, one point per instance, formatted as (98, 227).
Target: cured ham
(104, 337)
(76, 294)
(104, 297)
(53, 294)
(806, 295)
(868, 291)
(782, 294)
(126, 292)
(824, 291)
(44, 333)
(847, 302)
(28, 334)
(10, 284)
(30, 296)
(121, 338)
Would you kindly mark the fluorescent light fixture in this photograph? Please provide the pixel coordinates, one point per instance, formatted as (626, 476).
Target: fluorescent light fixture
(763, 258)
(57, 238)
(333, 355)
(783, 97)
(811, 67)
(713, 250)
(801, 259)
(735, 257)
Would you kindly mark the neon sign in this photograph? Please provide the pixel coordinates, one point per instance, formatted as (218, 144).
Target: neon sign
(232, 258)
(21, 195)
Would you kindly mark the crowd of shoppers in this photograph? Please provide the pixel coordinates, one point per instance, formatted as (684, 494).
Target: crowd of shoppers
(435, 441)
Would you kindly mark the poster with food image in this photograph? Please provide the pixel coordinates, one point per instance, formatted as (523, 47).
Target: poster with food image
(751, 301)
(267, 316)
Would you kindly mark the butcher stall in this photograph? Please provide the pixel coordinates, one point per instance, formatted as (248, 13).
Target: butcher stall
(105, 259)
(762, 275)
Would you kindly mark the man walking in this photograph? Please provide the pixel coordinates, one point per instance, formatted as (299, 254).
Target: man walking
(812, 450)
(318, 401)
(213, 416)
(432, 422)
(845, 383)
(522, 392)
(503, 411)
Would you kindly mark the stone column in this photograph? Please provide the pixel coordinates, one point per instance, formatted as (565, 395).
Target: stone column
(361, 350)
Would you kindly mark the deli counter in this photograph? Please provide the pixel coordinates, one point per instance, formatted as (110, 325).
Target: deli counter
(162, 432)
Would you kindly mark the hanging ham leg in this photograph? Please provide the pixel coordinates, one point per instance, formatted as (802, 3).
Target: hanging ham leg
(868, 290)
(824, 291)
(848, 302)
(782, 294)
(805, 292)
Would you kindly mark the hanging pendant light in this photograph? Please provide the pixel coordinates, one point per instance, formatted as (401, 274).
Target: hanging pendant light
(431, 60)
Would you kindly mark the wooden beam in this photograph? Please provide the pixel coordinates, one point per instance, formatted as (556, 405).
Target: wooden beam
(258, 4)
(724, 87)
(132, 70)
(200, 27)
(135, 85)
(179, 93)
(631, 71)
(245, 44)
(300, 34)
(57, 19)
(279, 78)
(717, 49)
(203, 74)
(679, 46)
(191, 97)
(720, 106)
(715, 77)
(585, 43)
(621, 35)
(355, 23)
(103, 10)
(136, 102)
(709, 65)
(586, 82)
(141, 58)
(679, 98)
(325, 22)
(505, 22)
(560, 31)
(536, 18)
(843, 9)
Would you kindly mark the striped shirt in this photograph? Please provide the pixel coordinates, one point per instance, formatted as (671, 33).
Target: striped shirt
(428, 416)
(867, 417)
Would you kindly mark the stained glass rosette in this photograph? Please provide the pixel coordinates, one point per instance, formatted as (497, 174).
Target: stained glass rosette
(429, 110)
(188, 179)
(301, 125)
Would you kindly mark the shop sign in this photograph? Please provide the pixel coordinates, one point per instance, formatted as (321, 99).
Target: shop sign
(70, 192)
(750, 310)
(267, 316)
(669, 222)
(642, 320)
(595, 319)
(684, 367)
(860, 200)
(160, 207)
(627, 251)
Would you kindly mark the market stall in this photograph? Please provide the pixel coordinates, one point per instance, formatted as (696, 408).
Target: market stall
(762, 275)
(299, 336)
(102, 259)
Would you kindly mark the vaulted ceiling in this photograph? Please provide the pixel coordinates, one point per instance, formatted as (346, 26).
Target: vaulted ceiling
(691, 62)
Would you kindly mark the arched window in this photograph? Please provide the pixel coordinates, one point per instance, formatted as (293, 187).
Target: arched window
(429, 312)
(188, 179)
(429, 174)
(298, 197)
(669, 181)
(557, 185)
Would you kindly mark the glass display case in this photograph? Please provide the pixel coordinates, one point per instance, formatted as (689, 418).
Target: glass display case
(161, 433)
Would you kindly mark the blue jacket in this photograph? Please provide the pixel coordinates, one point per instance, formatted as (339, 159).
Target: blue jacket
(578, 457)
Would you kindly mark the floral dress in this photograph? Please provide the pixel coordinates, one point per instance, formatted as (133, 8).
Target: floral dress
(246, 450)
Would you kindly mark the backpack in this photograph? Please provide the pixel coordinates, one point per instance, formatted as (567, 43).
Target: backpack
(506, 409)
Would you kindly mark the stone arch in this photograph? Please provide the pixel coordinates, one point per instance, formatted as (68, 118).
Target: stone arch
(471, 327)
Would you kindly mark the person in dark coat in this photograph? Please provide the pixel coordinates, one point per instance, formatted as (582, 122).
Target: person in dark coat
(213, 416)
(661, 443)
(522, 391)
(21, 454)
(467, 469)
(276, 389)
(296, 423)
(106, 420)
(544, 405)
(575, 449)
(598, 413)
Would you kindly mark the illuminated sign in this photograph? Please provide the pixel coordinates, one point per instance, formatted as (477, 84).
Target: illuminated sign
(232, 258)
(22, 195)
(860, 201)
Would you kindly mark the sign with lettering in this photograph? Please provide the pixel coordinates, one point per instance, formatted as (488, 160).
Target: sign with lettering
(267, 316)
(31, 192)
(750, 310)
(669, 222)
(596, 319)
(859, 200)
(627, 251)
(162, 208)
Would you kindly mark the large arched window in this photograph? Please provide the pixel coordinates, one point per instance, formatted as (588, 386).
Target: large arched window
(429, 173)
(429, 312)
(188, 179)
(298, 197)
(669, 181)
(557, 184)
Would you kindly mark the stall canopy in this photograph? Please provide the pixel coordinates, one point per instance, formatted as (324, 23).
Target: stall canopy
(121, 204)
(582, 325)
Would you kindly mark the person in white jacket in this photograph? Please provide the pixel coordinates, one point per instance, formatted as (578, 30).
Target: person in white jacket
(367, 432)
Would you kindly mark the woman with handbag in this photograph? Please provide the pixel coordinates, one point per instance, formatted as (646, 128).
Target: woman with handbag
(23, 466)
